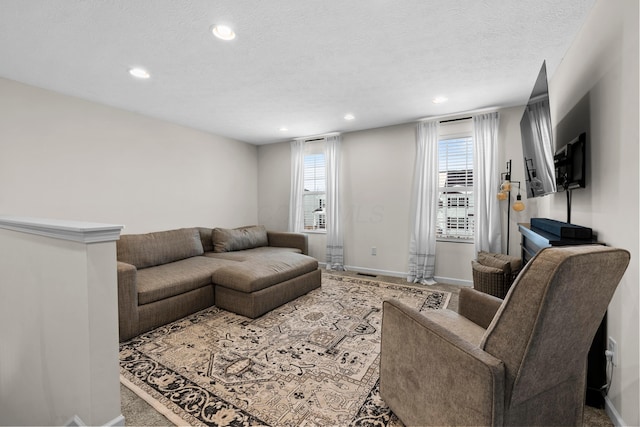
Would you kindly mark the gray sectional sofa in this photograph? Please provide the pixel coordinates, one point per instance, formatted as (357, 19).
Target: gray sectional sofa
(167, 275)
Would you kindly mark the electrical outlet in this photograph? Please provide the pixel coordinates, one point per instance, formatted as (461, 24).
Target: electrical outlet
(612, 347)
(374, 251)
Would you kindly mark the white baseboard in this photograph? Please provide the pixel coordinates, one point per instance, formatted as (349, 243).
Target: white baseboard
(376, 272)
(365, 270)
(613, 413)
(76, 421)
(452, 281)
(116, 422)
(402, 274)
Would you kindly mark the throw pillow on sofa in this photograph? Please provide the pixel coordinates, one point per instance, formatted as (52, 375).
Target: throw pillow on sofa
(237, 239)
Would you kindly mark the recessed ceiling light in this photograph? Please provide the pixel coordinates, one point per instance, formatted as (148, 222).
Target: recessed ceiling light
(223, 32)
(140, 73)
(349, 117)
(440, 99)
(284, 129)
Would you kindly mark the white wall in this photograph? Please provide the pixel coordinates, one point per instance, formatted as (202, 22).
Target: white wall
(274, 175)
(595, 89)
(65, 158)
(377, 174)
(511, 149)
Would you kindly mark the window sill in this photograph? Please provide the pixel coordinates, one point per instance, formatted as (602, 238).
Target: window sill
(453, 240)
(314, 231)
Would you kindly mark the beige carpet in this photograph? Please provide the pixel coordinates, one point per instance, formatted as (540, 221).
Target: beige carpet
(313, 361)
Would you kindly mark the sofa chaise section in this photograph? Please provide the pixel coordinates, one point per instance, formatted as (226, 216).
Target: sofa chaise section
(273, 271)
(253, 288)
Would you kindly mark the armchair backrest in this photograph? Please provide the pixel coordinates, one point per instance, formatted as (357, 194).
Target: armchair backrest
(545, 326)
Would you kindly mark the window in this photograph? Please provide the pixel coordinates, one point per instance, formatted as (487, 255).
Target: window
(314, 197)
(455, 187)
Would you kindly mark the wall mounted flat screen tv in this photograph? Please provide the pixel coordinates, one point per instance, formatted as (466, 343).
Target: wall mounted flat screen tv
(570, 164)
(537, 140)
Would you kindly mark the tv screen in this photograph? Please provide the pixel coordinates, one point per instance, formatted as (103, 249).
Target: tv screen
(570, 164)
(537, 140)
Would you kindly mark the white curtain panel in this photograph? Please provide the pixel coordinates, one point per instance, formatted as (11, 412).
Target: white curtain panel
(296, 212)
(335, 248)
(486, 181)
(424, 201)
(541, 124)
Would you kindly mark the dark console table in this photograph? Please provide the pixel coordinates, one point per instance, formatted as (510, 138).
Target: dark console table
(533, 240)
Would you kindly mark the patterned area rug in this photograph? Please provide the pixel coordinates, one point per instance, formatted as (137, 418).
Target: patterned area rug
(313, 361)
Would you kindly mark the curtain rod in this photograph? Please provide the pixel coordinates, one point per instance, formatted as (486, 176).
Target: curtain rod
(315, 137)
(454, 116)
(455, 120)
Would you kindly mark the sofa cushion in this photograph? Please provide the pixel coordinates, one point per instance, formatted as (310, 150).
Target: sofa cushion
(263, 272)
(227, 240)
(206, 239)
(148, 250)
(252, 254)
(175, 278)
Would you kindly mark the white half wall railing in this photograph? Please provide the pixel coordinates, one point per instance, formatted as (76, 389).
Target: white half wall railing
(59, 317)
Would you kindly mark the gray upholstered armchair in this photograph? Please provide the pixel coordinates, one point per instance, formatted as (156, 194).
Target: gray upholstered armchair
(521, 361)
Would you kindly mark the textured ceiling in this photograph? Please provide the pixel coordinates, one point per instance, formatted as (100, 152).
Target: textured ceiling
(294, 63)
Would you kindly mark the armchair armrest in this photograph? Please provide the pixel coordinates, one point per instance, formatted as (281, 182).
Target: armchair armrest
(127, 300)
(429, 375)
(477, 306)
(285, 239)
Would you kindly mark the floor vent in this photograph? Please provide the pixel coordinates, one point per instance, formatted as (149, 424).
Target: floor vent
(368, 275)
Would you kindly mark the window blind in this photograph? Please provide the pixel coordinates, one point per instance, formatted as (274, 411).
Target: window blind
(455, 182)
(314, 197)
(314, 172)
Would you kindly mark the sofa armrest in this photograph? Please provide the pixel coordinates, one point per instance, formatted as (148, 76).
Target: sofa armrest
(426, 370)
(127, 300)
(285, 239)
(477, 306)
